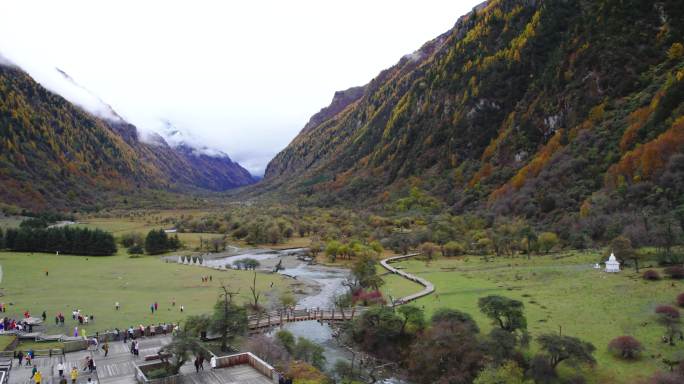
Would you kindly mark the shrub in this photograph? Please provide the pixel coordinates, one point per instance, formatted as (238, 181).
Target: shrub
(453, 248)
(675, 272)
(667, 311)
(680, 299)
(625, 347)
(136, 249)
(651, 275)
(157, 373)
(368, 297)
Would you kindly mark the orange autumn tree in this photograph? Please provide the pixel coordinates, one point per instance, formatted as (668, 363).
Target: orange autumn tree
(647, 161)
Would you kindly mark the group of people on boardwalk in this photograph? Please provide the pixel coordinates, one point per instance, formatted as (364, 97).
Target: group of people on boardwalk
(28, 357)
(89, 364)
(73, 374)
(8, 324)
(199, 362)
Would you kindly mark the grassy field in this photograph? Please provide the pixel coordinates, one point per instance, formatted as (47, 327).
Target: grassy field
(5, 341)
(558, 293)
(94, 284)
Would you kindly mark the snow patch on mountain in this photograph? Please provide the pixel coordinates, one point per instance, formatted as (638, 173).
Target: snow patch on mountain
(179, 138)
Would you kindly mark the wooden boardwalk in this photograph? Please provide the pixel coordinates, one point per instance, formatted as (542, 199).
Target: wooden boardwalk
(119, 365)
(258, 323)
(428, 287)
(241, 374)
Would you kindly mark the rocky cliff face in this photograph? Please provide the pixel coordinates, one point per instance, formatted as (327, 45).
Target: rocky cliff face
(531, 108)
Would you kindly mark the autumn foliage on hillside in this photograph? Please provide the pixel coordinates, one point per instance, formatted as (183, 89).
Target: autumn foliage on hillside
(647, 161)
(528, 108)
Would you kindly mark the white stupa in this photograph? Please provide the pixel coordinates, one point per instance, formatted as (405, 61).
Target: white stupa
(612, 265)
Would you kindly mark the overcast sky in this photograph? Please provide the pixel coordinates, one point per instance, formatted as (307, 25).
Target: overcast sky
(241, 76)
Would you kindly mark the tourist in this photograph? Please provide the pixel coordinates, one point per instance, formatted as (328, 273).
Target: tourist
(173, 302)
(86, 363)
(136, 349)
(116, 305)
(201, 361)
(20, 357)
(60, 369)
(44, 316)
(28, 359)
(37, 377)
(196, 362)
(74, 375)
(152, 308)
(182, 308)
(105, 348)
(91, 365)
(212, 362)
(156, 306)
(56, 320)
(75, 331)
(63, 380)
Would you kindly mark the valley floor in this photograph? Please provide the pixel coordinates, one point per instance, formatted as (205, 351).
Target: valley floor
(561, 292)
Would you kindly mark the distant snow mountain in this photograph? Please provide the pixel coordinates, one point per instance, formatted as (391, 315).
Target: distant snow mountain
(179, 138)
(77, 151)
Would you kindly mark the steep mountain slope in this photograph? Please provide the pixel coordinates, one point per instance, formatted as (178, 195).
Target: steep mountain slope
(53, 154)
(534, 108)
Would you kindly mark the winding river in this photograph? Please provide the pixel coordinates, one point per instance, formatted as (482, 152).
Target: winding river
(327, 280)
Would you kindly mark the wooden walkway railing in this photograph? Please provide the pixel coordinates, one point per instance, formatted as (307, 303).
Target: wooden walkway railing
(277, 318)
(428, 287)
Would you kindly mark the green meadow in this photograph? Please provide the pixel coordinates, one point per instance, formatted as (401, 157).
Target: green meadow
(561, 293)
(94, 284)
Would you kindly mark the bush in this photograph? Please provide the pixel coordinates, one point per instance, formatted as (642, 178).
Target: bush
(667, 311)
(158, 373)
(453, 248)
(625, 347)
(680, 299)
(136, 249)
(675, 272)
(651, 275)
